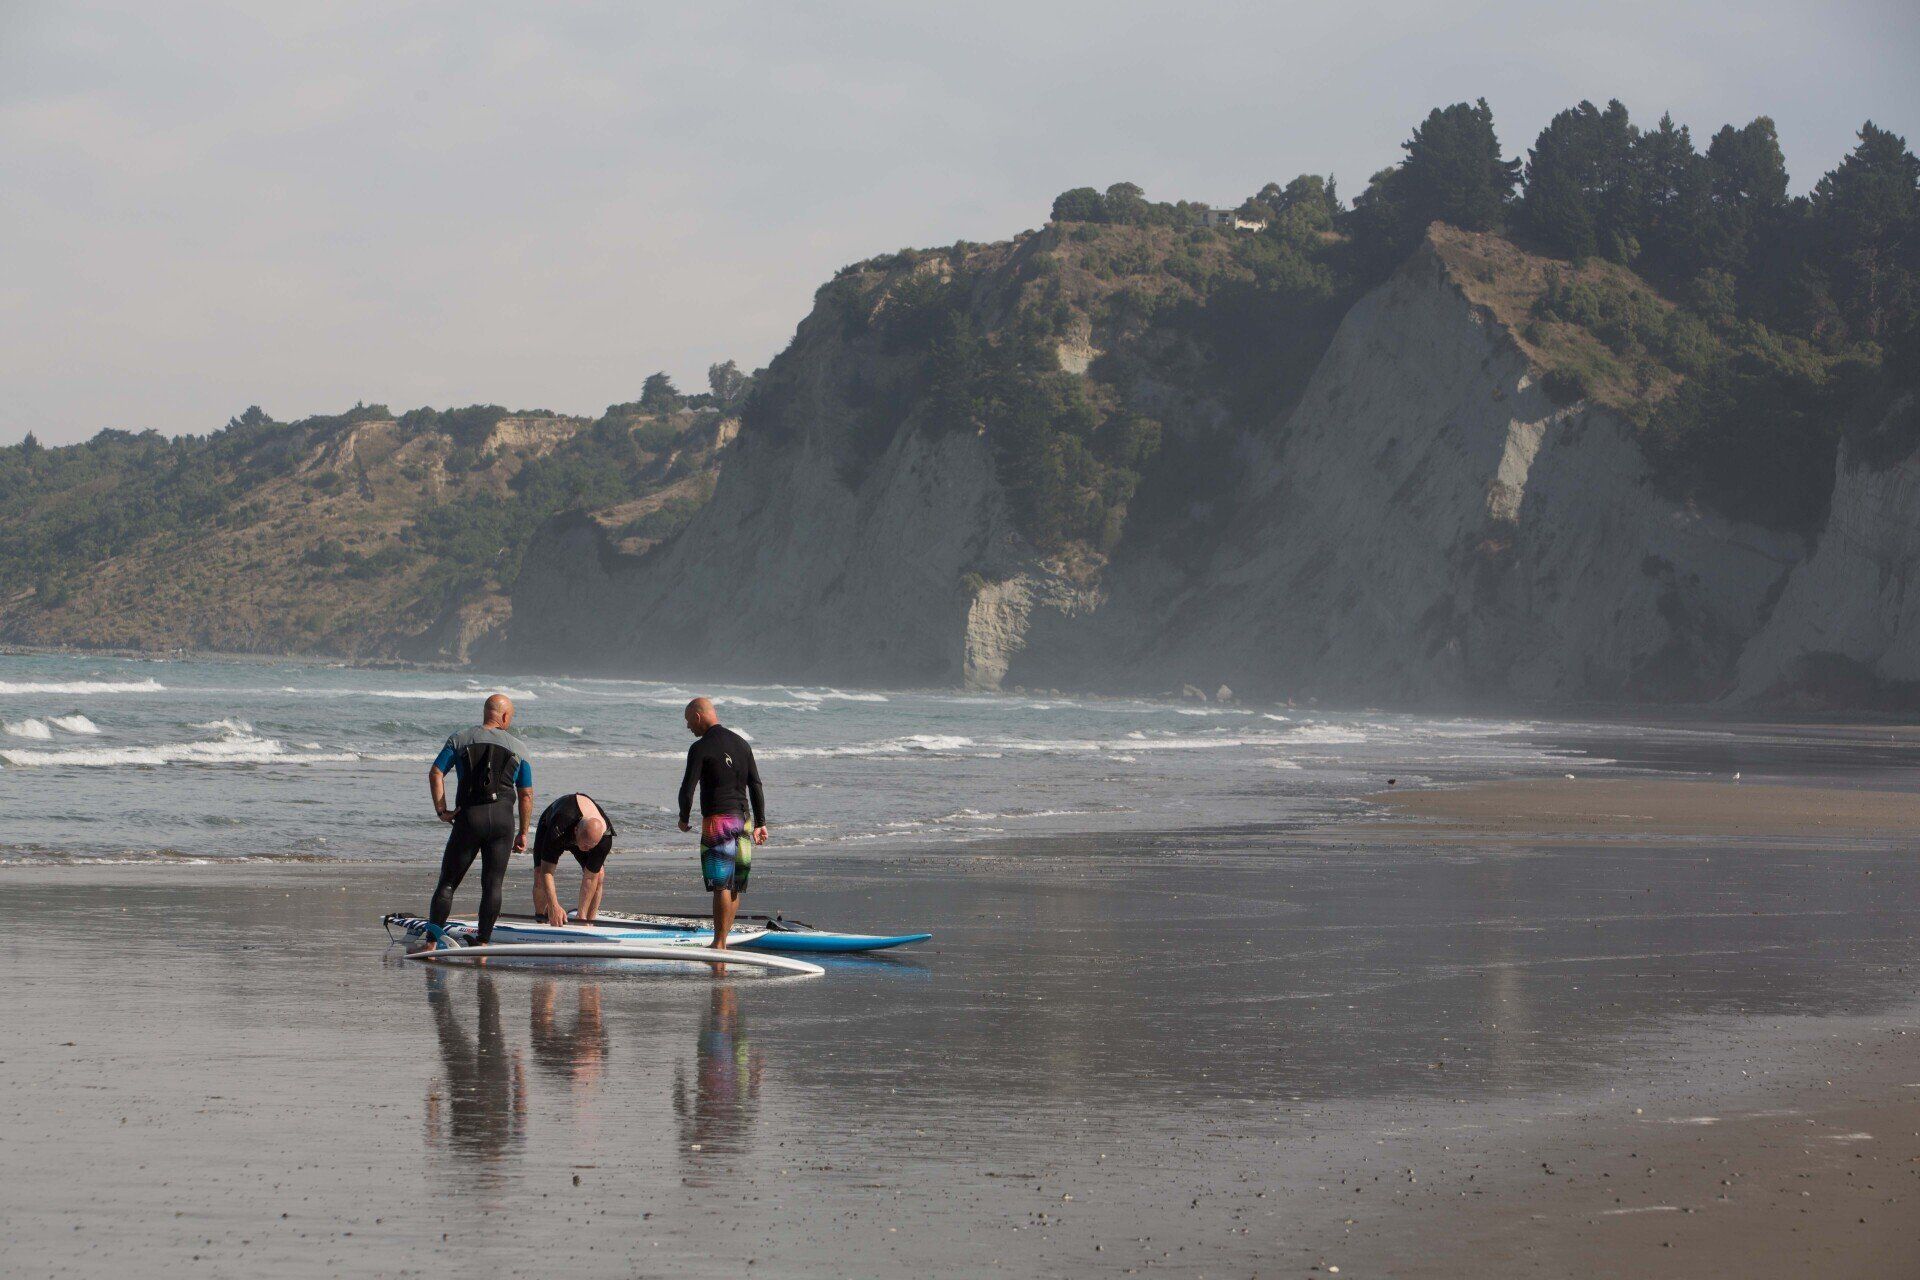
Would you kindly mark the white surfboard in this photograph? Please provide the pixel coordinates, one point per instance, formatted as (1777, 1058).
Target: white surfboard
(621, 951)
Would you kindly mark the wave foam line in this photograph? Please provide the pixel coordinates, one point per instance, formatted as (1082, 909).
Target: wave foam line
(235, 748)
(81, 686)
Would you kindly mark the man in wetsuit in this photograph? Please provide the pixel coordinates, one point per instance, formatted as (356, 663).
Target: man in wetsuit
(494, 779)
(721, 764)
(572, 824)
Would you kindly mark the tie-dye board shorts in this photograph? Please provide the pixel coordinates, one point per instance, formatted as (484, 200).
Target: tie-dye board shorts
(726, 852)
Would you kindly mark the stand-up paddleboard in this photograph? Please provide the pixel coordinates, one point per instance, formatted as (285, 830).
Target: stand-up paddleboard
(752, 932)
(517, 929)
(617, 951)
(774, 933)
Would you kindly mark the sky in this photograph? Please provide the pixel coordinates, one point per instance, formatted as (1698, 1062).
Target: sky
(302, 206)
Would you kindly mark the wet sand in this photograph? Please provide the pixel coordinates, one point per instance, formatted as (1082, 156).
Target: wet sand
(1404, 1047)
(1612, 807)
(1815, 1171)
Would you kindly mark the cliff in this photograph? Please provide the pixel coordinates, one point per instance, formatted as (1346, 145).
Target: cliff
(1420, 523)
(1846, 630)
(1429, 525)
(364, 536)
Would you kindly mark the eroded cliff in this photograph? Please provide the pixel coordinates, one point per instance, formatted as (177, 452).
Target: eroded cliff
(1417, 522)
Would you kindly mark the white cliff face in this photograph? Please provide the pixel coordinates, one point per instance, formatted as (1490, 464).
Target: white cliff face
(1430, 526)
(790, 572)
(1849, 605)
(1426, 526)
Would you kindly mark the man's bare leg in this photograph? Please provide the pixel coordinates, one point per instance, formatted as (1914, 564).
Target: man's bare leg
(590, 886)
(725, 903)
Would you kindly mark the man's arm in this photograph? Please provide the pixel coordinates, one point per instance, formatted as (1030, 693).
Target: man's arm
(686, 787)
(437, 788)
(758, 797)
(546, 895)
(523, 779)
(437, 781)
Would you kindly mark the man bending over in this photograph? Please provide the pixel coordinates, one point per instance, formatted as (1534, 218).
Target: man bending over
(572, 824)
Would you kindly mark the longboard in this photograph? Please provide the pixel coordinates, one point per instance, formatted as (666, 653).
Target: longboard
(519, 929)
(618, 951)
(771, 933)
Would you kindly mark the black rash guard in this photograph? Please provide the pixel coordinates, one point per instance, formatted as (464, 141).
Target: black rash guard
(721, 762)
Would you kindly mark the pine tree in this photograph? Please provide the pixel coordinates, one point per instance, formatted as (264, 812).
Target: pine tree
(1868, 214)
(1454, 172)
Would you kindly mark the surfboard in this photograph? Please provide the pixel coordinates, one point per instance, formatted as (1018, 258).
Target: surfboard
(528, 929)
(616, 951)
(774, 933)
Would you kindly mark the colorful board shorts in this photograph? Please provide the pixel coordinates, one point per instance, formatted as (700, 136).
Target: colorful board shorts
(726, 852)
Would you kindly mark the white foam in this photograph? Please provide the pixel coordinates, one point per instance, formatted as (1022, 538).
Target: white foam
(1326, 735)
(936, 742)
(1279, 762)
(437, 695)
(74, 724)
(230, 724)
(36, 729)
(81, 686)
(230, 750)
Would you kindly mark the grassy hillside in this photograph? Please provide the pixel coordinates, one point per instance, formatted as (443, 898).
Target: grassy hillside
(364, 535)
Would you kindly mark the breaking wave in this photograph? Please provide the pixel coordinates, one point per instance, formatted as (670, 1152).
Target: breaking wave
(27, 729)
(237, 744)
(81, 686)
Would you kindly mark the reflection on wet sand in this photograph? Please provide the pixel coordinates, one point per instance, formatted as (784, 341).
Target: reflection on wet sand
(574, 1050)
(717, 1108)
(477, 1107)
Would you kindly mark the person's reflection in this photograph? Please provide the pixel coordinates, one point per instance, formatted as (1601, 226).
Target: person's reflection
(479, 1107)
(717, 1109)
(574, 1051)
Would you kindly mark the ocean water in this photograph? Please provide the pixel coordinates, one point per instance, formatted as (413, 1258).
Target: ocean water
(129, 759)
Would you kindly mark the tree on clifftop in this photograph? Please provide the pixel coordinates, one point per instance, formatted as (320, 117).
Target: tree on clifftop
(1581, 191)
(659, 394)
(1868, 213)
(1453, 173)
(1081, 204)
(728, 383)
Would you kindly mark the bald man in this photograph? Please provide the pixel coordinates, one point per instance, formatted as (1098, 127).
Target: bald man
(573, 824)
(720, 764)
(493, 777)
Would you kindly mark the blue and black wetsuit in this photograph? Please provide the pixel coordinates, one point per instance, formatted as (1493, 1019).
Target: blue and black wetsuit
(492, 769)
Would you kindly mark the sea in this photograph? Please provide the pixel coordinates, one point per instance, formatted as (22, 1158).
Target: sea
(114, 759)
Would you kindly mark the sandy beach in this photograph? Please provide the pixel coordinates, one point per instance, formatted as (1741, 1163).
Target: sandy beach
(1398, 1053)
(1814, 1171)
(1610, 808)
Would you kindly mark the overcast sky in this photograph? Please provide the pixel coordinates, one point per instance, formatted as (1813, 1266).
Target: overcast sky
(206, 206)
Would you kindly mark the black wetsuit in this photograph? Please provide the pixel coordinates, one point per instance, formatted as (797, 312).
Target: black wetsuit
(492, 768)
(721, 763)
(554, 835)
